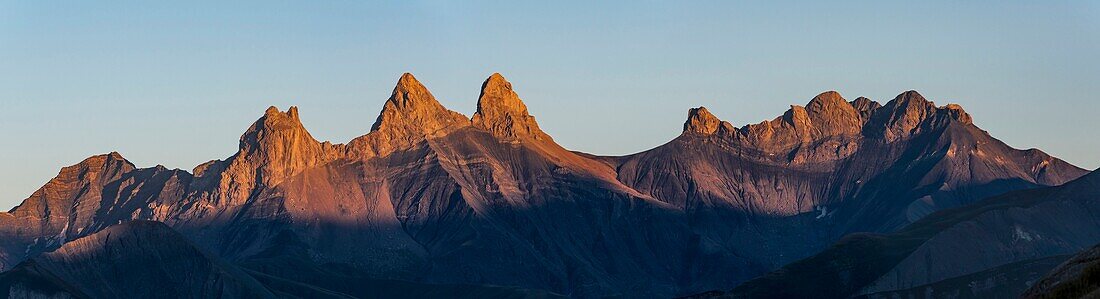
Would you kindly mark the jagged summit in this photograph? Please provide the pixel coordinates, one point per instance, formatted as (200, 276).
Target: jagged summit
(907, 110)
(826, 115)
(411, 108)
(864, 106)
(292, 112)
(274, 148)
(829, 115)
(115, 155)
(409, 115)
(955, 111)
(905, 114)
(501, 112)
(701, 121)
(274, 122)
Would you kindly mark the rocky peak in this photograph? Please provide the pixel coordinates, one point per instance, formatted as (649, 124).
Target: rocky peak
(83, 181)
(274, 148)
(412, 109)
(910, 98)
(701, 121)
(274, 126)
(956, 112)
(826, 115)
(901, 116)
(908, 105)
(409, 116)
(826, 101)
(865, 107)
(831, 115)
(501, 112)
(909, 111)
(799, 119)
(108, 165)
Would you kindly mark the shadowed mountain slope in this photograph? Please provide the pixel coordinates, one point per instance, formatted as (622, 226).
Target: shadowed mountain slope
(1015, 227)
(136, 259)
(1078, 277)
(149, 259)
(430, 196)
(1007, 281)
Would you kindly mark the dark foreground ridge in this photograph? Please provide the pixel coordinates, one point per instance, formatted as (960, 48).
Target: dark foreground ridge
(1005, 243)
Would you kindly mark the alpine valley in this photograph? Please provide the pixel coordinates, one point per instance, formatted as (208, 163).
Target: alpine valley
(837, 198)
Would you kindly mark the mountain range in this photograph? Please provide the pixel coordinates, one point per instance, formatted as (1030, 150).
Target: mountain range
(862, 197)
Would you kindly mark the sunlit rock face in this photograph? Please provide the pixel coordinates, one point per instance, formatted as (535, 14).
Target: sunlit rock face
(431, 196)
(503, 114)
(410, 115)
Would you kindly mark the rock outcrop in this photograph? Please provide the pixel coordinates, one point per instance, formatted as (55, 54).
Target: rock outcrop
(831, 115)
(826, 116)
(502, 113)
(701, 121)
(274, 148)
(409, 116)
(865, 107)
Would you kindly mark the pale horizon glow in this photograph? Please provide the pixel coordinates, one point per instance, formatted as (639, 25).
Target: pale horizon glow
(176, 84)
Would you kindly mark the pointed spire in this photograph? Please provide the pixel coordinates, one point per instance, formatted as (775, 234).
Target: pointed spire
(409, 116)
(293, 112)
(411, 107)
(410, 93)
(274, 122)
(277, 146)
(501, 112)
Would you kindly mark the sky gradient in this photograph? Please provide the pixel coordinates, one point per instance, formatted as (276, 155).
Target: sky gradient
(177, 83)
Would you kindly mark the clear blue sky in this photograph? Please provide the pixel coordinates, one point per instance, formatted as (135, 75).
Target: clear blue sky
(177, 83)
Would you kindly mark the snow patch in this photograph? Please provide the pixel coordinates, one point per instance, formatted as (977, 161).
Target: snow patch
(824, 212)
(1019, 234)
